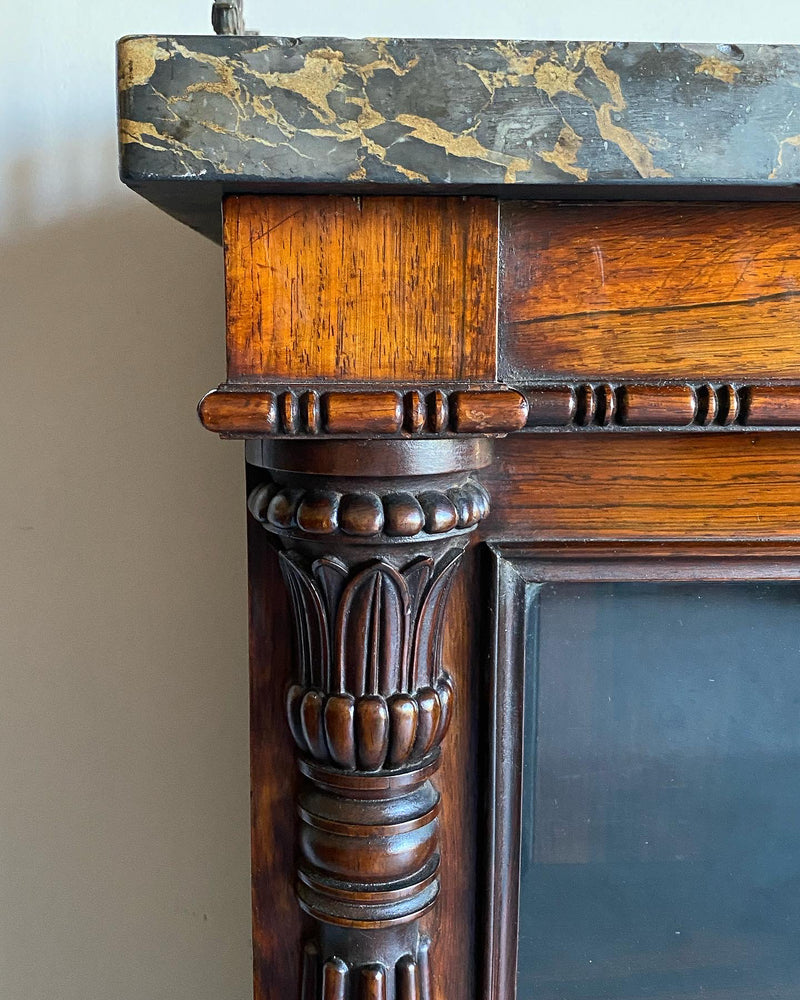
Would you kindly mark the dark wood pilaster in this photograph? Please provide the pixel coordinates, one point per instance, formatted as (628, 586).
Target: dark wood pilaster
(371, 535)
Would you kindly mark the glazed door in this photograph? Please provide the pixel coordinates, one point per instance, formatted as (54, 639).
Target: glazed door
(646, 791)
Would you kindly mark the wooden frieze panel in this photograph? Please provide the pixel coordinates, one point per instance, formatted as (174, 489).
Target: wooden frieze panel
(623, 486)
(323, 287)
(658, 291)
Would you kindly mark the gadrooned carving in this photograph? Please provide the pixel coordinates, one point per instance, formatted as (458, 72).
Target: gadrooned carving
(371, 692)
(410, 979)
(371, 732)
(366, 514)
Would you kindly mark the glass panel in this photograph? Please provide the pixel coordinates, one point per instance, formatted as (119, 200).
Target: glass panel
(661, 811)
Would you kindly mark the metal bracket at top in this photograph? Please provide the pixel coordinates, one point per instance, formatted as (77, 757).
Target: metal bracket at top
(227, 17)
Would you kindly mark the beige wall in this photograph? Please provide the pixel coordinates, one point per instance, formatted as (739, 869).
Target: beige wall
(124, 854)
(123, 694)
(123, 676)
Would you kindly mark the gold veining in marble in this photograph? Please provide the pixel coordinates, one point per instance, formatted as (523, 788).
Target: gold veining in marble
(319, 76)
(792, 140)
(718, 68)
(518, 68)
(138, 65)
(324, 70)
(636, 151)
(143, 134)
(565, 76)
(565, 153)
(461, 144)
(553, 78)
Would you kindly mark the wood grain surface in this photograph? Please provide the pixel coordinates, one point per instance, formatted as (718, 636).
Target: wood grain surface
(389, 294)
(645, 486)
(650, 291)
(278, 923)
(325, 287)
(451, 925)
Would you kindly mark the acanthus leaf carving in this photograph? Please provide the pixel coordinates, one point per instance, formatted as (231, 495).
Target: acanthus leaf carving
(371, 692)
(427, 652)
(371, 627)
(311, 625)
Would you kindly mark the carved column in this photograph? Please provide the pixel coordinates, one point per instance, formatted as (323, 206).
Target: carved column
(371, 540)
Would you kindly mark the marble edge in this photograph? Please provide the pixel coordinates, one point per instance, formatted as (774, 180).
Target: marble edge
(486, 116)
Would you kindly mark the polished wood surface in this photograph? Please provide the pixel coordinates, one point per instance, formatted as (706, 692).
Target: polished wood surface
(431, 387)
(402, 289)
(279, 928)
(278, 923)
(620, 486)
(444, 412)
(650, 291)
(778, 405)
(452, 926)
(612, 487)
(369, 412)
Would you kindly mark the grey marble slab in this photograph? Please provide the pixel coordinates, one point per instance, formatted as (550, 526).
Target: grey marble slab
(204, 115)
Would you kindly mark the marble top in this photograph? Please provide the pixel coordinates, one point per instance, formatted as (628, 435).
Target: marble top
(204, 115)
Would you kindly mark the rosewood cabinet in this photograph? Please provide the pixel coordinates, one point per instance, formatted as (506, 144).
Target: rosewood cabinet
(512, 343)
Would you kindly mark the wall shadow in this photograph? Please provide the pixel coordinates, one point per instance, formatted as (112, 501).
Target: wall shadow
(124, 849)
